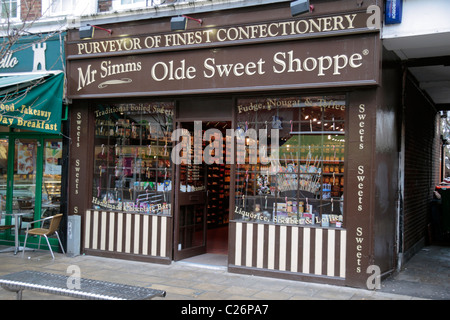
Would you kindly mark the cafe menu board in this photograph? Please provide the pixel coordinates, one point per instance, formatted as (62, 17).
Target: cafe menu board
(53, 155)
(26, 161)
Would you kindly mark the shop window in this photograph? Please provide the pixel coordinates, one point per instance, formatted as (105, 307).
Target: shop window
(65, 7)
(132, 167)
(4, 146)
(296, 174)
(51, 186)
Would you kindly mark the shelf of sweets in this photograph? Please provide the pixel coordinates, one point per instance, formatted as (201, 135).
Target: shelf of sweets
(218, 195)
(127, 129)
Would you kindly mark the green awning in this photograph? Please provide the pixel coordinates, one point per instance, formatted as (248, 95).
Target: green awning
(9, 81)
(32, 102)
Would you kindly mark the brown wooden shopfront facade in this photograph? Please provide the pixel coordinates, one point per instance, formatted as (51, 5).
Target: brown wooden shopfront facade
(130, 94)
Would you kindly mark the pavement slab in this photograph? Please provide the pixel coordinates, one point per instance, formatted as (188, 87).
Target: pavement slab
(189, 281)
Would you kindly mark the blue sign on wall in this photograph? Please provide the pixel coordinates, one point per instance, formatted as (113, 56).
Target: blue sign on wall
(393, 11)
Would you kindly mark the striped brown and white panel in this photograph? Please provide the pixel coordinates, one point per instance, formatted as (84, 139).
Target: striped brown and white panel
(126, 233)
(305, 250)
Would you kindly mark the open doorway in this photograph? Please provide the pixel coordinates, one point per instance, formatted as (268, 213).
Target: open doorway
(202, 197)
(218, 192)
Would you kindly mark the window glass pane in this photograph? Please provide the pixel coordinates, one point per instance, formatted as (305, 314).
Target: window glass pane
(59, 6)
(51, 186)
(9, 9)
(5, 10)
(125, 2)
(13, 9)
(296, 174)
(24, 184)
(3, 174)
(132, 167)
(56, 6)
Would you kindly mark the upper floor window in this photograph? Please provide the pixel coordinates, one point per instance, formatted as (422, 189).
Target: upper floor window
(123, 2)
(59, 6)
(67, 7)
(127, 4)
(9, 9)
(135, 4)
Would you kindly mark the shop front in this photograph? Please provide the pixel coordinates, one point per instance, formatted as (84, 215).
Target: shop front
(31, 144)
(248, 136)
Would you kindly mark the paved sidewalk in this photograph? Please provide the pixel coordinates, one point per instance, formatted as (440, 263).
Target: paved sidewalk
(426, 275)
(183, 281)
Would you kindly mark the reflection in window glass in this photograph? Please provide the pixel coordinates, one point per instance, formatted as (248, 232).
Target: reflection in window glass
(3, 176)
(9, 9)
(132, 167)
(25, 174)
(300, 181)
(51, 186)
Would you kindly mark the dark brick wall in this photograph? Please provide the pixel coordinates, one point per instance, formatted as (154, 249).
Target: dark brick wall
(30, 10)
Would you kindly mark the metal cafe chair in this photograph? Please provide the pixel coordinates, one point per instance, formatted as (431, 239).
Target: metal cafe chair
(53, 229)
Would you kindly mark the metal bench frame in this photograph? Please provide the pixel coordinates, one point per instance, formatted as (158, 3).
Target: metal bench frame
(89, 289)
